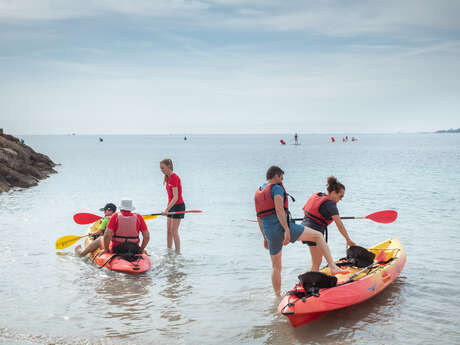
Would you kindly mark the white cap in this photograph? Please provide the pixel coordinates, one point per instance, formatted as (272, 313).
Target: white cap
(126, 205)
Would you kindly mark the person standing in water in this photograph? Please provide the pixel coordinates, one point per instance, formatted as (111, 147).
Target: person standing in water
(271, 202)
(320, 211)
(175, 203)
(295, 139)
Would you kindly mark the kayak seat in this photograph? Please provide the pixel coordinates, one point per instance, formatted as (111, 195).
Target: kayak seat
(358, 256)
(312, 282)
(128, 251)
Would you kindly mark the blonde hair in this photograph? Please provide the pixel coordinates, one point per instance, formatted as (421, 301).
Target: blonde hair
(168, 162)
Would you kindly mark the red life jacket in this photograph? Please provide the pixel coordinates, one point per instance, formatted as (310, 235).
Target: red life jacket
(127, 229)
(311, 209)
(265, 205)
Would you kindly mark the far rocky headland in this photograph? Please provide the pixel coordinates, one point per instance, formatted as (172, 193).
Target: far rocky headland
(20, 165)
(451, 130)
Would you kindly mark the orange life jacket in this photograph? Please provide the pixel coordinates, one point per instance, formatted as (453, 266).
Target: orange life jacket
(311, 209)
(127, 229)
(265, 205)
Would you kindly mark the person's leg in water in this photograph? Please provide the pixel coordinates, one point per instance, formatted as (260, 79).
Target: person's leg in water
(91, 247)
(316, 236)
(316, 258)
(276, 272)
(175, 222)
(169, 236)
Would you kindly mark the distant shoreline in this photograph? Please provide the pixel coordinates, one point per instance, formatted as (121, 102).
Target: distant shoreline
(451, 130)
(233, 133)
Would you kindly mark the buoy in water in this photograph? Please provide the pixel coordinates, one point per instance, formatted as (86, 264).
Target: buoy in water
(333, 139)
(185, 138)
(101, 140)
(282, 142)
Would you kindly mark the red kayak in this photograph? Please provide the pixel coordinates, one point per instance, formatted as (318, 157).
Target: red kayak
(130, 264)
(306, 302)
(117, 263)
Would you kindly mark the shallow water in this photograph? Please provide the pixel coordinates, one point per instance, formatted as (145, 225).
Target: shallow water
(218, 291)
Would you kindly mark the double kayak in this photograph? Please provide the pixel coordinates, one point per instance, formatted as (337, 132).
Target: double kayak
(319, 293)
(130, 264)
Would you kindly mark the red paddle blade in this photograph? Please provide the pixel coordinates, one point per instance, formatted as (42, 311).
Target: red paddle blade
(388, 216)
(85, 218)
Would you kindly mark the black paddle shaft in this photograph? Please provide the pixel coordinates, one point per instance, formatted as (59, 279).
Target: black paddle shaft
(297, 219)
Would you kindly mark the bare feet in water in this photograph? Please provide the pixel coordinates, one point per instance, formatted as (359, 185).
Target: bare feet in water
(78, 250)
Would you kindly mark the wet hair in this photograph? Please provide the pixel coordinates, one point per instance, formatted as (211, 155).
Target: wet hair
(274, 170)
(333, 185)
(168, 162)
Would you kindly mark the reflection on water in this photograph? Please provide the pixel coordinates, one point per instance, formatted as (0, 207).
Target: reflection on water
(125, 302)
(176, 288)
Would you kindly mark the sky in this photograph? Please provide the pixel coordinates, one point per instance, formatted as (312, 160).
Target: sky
(229, 66)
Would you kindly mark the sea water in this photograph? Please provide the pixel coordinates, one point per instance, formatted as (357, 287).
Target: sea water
(218, 290)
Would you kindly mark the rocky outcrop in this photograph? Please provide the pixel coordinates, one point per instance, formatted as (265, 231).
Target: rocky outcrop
(20, 165)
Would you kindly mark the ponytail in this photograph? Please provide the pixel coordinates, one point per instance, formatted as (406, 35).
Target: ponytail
(333, 185)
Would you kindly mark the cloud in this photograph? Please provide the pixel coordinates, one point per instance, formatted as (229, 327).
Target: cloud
(23, 10)
(339, 18)
(44, 9)
(332, 18)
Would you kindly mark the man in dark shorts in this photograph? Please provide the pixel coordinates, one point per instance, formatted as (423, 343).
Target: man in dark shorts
(272, 208)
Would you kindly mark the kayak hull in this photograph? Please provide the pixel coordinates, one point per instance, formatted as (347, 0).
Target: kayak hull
(114, 262)
(364, 286)
(117, 264)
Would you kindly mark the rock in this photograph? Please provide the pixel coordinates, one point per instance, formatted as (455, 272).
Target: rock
(20, 165)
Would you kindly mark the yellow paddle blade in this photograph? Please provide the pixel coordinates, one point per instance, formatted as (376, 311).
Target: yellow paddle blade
(149, 217)
(66, 241)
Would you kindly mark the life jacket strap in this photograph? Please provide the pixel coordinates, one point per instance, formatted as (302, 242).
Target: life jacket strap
(315, 218)
(272, 210)
(127, 237)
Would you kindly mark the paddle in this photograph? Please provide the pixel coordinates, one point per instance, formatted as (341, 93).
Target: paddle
(88, 218)
(380, 259)
(67, 241)
(85, 218)
(388, 216)
(178, 212)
